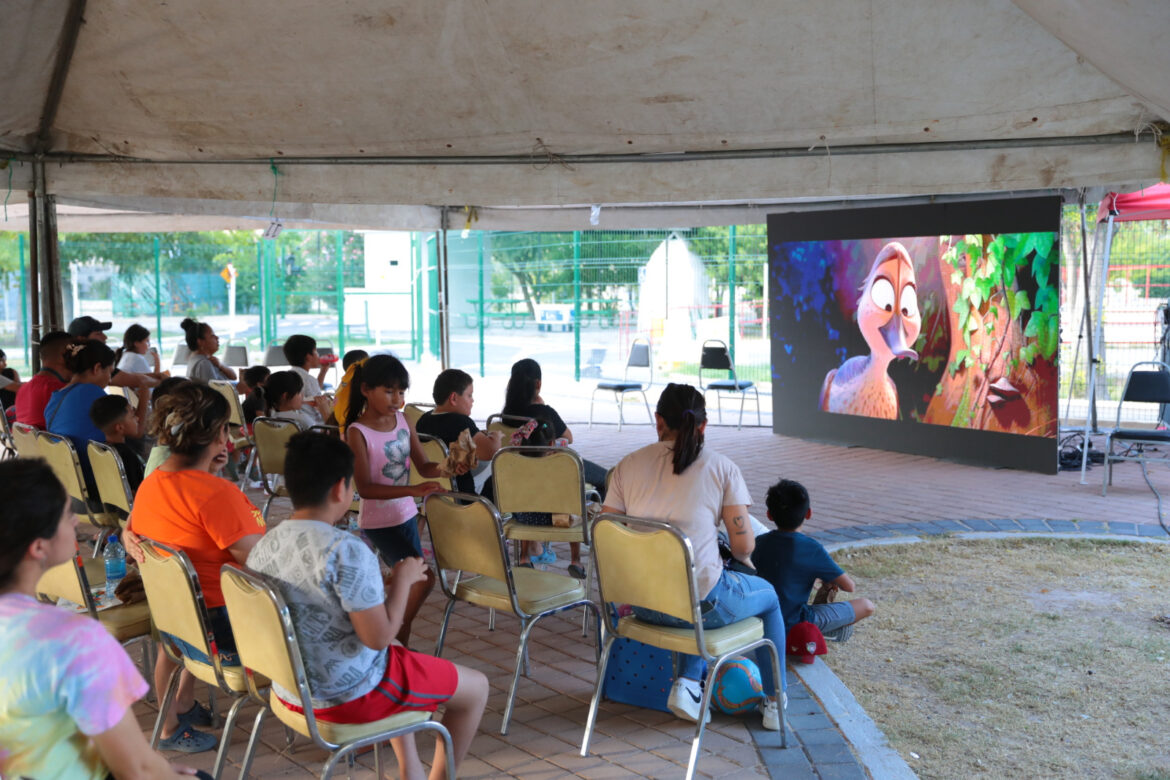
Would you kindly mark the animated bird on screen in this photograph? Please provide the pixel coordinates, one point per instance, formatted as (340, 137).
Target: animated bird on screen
(889, 320)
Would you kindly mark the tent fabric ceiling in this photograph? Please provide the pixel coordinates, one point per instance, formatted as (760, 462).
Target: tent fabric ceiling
(399, 108)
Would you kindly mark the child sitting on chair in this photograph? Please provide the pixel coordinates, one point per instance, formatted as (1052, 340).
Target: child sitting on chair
(792, 562)
(453, 394)
(346, 622)
(114, 417)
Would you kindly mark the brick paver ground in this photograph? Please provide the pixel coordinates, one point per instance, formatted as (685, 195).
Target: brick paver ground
(857, 493)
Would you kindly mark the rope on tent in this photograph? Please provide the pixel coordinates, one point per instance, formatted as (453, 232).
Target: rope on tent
(540, 149)
(275, 184)
(828, 153)
(8, 165)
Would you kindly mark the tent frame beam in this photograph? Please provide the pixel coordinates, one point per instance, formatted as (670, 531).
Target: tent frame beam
(69, 34)
(569, 160)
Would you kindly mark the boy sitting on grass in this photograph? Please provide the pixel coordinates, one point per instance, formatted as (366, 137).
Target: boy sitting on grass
(114, 417)
(344, 620)
(453, 394)
(792, 562)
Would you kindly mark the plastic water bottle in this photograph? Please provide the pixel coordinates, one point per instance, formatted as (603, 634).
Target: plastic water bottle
(114, 558)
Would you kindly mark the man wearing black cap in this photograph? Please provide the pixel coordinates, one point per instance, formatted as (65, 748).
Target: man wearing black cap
(89, 328)
(86, 327)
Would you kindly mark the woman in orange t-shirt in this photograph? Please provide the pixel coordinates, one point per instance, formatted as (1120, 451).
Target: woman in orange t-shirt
(185, 506)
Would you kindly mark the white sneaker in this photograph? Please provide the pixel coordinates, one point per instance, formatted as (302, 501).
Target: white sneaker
(771, 713)
(685, 700)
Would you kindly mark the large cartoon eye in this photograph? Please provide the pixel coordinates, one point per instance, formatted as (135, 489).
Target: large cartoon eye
(882, 294)
(909, 303)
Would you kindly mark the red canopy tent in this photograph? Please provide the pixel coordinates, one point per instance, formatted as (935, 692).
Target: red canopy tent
(1149, 203)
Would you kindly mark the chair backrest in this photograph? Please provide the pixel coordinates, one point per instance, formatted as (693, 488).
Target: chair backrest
(62, 458)
(109, 474)
(182, 355)
(228, 391)
(271, 435)
(1148, 385)
(24, 437)
(413, 411)
(639, 357)
(507, 424)
(236, 355)
(539, 479)
(67, 581)
(436, 451)
(467, 536)
(646, 563)
(175, 597)
(716, 356)
(265, 638)
(6, 433)
(274, 355)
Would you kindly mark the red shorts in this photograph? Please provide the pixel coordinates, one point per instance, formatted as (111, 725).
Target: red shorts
(413, 681)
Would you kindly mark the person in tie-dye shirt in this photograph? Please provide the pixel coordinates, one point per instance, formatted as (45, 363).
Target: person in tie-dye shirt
(69, 687)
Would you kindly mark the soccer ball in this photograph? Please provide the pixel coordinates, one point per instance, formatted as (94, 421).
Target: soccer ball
(738, 687)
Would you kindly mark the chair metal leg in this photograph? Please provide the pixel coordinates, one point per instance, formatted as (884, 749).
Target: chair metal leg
(620, 399)
(742, 401)
(443, 628)
(167, 700)
(595, 702)
(521, 655)
(264, 512)
(378, 760)
(704, 707)
(592, 398)
(253, 740)
(719, 404)
(759, 419)
(491, 619)
(225, 740)
(646, 401)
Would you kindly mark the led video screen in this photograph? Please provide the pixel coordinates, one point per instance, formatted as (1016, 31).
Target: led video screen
(929, 329)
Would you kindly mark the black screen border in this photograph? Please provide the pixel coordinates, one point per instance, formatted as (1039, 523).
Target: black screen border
(982, 448)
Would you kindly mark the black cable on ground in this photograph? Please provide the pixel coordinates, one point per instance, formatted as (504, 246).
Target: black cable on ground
(1161, 520)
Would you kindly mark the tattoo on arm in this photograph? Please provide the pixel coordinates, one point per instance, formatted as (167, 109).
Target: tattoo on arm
(738, 522)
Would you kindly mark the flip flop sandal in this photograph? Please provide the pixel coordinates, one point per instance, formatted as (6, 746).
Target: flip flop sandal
(575, 570)
(525, 565)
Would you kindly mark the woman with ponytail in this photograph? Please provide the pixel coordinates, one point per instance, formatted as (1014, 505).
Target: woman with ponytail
(678, 481)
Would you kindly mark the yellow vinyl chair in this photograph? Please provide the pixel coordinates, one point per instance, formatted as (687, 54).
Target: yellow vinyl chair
(7, 445)
(651, 564)
(542, 479)
(468, 539)
(128, 623)
(176, 601)
(238, 434)
(436, 452)
(24, 438)
(62, 458)
(271, 435)
(109, 473)
(413, 411)
(506, 424)
(267, 643)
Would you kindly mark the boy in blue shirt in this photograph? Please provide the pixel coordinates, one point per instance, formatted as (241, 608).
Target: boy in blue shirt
(792, 562)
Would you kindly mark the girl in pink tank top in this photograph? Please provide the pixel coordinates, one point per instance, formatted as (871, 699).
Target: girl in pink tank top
(384, 445)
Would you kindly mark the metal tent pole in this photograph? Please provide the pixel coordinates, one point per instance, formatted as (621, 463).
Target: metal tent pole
(1095, 347)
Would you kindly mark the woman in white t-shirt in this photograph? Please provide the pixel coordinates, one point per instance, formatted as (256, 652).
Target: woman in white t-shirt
(677, 481)
(136, 355)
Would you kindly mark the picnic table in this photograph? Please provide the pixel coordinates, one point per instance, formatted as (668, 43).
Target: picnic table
(510, 312)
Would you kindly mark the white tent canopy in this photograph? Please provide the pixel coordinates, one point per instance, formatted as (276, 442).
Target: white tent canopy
(384, 115)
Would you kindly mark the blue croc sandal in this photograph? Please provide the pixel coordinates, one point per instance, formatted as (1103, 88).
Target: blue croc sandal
(188, 740)
(548, 556)
(198, 715)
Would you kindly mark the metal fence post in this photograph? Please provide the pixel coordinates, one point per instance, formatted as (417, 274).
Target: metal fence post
(24, 296)
(577, 305)
(731, 292)
(158, 289)
(480, 318)
(339, 240)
